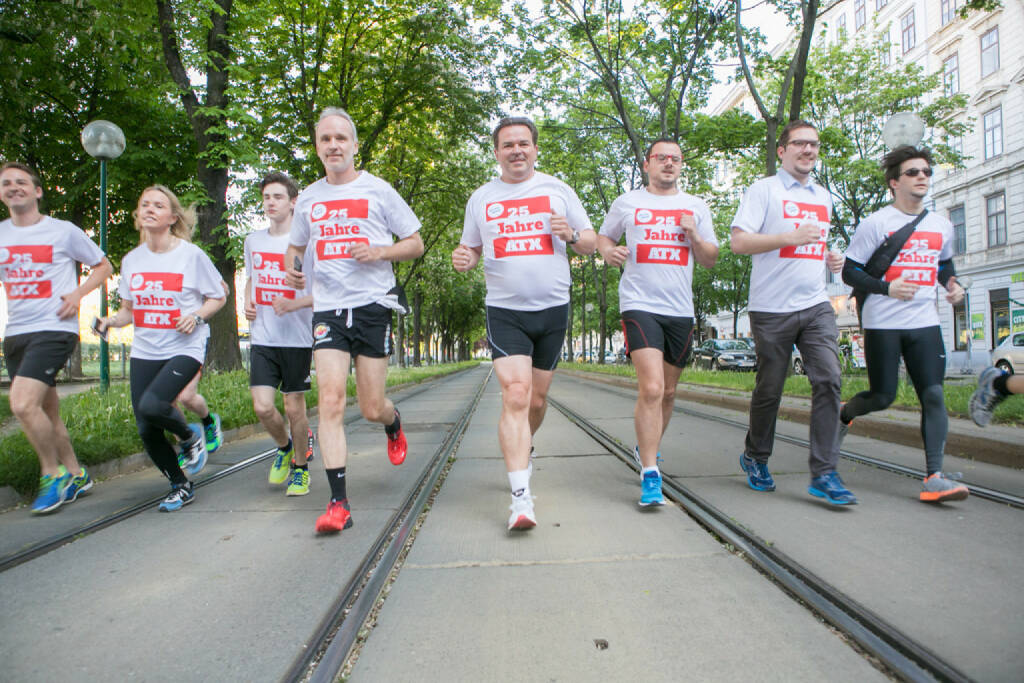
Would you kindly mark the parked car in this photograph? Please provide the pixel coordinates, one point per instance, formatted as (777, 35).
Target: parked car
(1009, 355)
(797, 362)
(725, 354)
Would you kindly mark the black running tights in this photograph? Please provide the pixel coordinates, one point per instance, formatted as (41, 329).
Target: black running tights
(155, 385)
(925, 358)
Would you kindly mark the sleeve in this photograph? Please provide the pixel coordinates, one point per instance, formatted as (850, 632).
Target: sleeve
(401, 220)
(705, 223)
(81, 248)
(300, 225)
(574, 211)
(854, 275)
(614, 226)
(247, 250)
(753, 208)
(208, 278)
(470, 229)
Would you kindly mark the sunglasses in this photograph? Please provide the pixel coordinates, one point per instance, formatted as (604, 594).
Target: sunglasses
(914, 172)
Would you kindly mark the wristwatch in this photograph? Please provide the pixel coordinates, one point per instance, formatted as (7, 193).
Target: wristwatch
(575, 237)
(199, 319)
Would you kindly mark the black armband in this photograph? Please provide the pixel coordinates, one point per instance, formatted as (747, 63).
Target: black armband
(946, 271)
(854, 275)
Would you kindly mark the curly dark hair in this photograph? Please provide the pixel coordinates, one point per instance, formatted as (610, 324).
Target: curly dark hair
(892, 161)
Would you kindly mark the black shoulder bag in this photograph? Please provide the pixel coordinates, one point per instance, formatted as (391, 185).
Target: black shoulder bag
(884, 255)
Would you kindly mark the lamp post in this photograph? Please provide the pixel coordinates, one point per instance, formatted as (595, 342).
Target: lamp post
(103, 140)
(965, 282)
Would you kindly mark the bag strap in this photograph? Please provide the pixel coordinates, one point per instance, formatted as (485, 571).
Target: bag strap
(894, 242)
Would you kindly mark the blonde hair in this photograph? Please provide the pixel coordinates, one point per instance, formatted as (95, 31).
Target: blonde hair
(186, 217)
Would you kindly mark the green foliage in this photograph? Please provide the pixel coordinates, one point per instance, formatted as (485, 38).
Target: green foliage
(102, 426)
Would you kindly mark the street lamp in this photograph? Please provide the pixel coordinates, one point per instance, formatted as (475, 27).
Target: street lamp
(103, 140)
(965, 282)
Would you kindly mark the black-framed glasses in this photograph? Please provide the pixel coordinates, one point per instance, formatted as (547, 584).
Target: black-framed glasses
(914, 172)
(662, 158)
(803, 144)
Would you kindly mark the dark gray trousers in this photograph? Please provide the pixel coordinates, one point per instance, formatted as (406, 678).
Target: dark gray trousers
(814, 332)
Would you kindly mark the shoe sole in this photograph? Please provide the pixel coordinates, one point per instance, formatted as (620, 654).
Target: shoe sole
(43, 511)
(522, 524)
(828, 499)
(198, 467)
(79, 492)
(166, 508)
(290, 492)
(328, 528)
(652, 503)
(943, 496)
(751, 484)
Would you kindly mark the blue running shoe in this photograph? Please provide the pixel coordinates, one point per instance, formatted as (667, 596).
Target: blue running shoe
(758, 476)
(650, 490)
(180, 496)
(192, 458)
(79, 484)
(51, 492)
(214, 436)
(830, 487)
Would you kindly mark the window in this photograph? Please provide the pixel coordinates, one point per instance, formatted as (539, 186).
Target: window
(949, 8)
(879, 4)
(909, 38)
(993, 123)
(860, 14)
(886, 48)
(840, 25)
(999, 307)
(990, 52)
(995, 217)
(960, 331)
(951, 74)
(957, 218)
(957, 145)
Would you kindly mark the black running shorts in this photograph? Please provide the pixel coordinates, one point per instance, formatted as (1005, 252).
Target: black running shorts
(361, 331)
(280, 367)
(672, 335)
(39, 355)
(538, 334)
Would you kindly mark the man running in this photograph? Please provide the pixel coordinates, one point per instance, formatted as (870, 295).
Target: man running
(351, 217)
(522, 224)
(666, 230)
(281, 350)
(899, 315)
(37, 257)
(783, 221)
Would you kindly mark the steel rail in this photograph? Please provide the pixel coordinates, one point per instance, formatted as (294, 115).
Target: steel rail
(903, 655)
(52, 543)
(326, 651)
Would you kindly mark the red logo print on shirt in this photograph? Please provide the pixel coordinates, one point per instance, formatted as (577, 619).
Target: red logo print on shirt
(22, 277)
(513, 208)
(918, 260)
(29, 290)
(155, 298)
(797, 213)
(532, 245)
(268, 274)
(663, 254)
(332, 249)
(660, 217)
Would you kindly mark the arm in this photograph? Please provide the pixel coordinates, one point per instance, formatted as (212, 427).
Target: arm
(465, 258)
(561, 229)
(97, 276)
(612, 253)
(704, 251)
(284, 305)
(758, 243)
(947, 278)
(250, 305)
(294, 278)
(855, 276)
(403, 250)
(119, 319)
(187, 323)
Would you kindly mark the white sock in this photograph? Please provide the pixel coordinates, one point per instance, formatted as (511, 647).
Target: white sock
(519, 481)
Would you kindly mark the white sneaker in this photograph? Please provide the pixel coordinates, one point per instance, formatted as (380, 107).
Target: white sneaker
(522, 513)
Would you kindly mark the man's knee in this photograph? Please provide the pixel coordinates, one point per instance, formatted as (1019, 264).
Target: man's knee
(265, 410)
(650, 390)
(151, 407)
(933, 398)
(373, 410)
(516, 396)
(24, 405)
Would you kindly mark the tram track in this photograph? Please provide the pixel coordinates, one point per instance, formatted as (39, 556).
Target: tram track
(904, 656)
(62, 538)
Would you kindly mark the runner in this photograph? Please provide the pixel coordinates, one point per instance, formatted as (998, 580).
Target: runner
(351, 218)
(783, 222)
(522, 223)
(995, 385)
(169, 290)
(37, 256)
(281, 337)
(666, 231)
(899, 315)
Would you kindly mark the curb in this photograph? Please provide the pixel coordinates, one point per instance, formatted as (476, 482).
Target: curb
(972, 446)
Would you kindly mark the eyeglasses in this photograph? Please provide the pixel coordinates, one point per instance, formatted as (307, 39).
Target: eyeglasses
(662, 158)
(913, 172)
(813, 144)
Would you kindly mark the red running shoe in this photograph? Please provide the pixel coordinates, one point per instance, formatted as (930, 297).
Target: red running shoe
(397, 445)
(335, 519)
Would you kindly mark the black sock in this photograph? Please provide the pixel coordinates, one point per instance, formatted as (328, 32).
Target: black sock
(336, 478)
(393, 428)
(301, 467)
(208, 420)
(1000, 384)
(287, 447)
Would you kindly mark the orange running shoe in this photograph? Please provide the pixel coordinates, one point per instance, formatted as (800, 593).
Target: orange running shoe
(397, 445)
(942, 486)
(335, 519)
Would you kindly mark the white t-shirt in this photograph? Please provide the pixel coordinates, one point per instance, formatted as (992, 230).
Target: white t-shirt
(163, 287)
(659, 271)
(37, 267)
(918, 262)
(792, 278)
(525, 266)
(264, 268)
(332, 217)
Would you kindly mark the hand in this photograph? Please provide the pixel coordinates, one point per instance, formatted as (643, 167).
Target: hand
(903, 290)
(688, 224)
(282, 305)
(295, 279)
(834, 260)
(186, 324)
(69, 305)
(250, 309)
(102, 324)
(954, 293)
(807, 232)
(462, 258)
(616, 256)
(364, 253)
(560, 227)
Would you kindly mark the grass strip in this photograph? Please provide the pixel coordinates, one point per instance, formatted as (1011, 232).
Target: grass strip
(102, 426)
(1009, 412)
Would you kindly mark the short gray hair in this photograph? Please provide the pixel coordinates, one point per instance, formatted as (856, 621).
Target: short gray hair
(338, 111)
